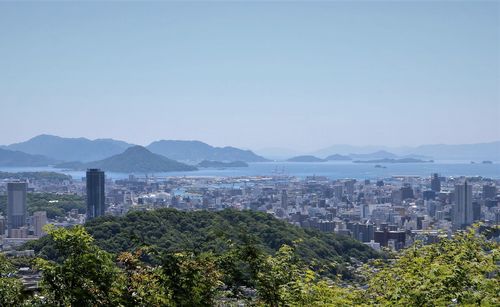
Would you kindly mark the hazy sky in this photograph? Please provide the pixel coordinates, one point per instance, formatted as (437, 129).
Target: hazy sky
(255, 75)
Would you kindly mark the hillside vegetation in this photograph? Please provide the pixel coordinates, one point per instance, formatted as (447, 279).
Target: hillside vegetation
(171, 230)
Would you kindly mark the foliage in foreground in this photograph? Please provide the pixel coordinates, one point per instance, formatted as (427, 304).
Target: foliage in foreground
(463, 270)
(459, 271)
(10, 287)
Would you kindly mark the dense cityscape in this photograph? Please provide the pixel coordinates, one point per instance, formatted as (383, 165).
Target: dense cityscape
(388, 213)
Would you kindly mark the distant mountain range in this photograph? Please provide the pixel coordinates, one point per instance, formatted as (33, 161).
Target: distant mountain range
(61, 149)
(195, 151)
(18, 158)
(478, 152)
(45, 150)
(135, 159)
(70, 149)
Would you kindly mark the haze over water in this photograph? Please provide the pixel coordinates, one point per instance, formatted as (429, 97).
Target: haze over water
(332, 170)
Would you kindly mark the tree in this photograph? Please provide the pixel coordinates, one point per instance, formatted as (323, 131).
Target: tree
(142, 284)
(308, 289)
(240, 264)
(462, 270)
(10, 286)
(274, 273)
(192, 280)
(84, 275)
(283, 281)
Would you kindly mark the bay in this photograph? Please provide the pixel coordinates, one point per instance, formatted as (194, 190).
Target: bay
(332, 170)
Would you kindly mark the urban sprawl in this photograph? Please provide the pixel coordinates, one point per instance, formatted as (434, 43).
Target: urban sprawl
(391, 212)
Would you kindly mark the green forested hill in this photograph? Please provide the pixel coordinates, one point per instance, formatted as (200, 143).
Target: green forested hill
(133, 159)
(202, 231)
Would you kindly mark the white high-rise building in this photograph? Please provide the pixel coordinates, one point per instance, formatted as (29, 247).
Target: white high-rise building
(39, 220)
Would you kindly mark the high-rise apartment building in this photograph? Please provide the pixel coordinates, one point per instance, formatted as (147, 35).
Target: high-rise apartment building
(489, 191)
(407, 192)
(16, 206)
(435, 183)
(462, 209)
(95, 193)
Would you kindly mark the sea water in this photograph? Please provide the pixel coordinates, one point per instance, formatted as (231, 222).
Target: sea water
(332, 170)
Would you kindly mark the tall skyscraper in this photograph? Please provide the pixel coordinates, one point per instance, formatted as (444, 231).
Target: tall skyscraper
(462, 210)
(95, 193)
(16, 206)
(435, 183)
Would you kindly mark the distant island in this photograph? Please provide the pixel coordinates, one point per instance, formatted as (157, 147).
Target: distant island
(305, 159)
(462, 152)
(218, 164)
(403, 160)
(18, 158)
(134, 159)
(337, 157)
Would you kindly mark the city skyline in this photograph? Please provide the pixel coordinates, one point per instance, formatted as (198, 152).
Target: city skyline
(253, 75)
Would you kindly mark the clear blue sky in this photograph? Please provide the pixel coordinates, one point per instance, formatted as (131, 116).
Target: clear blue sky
(298, 75)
